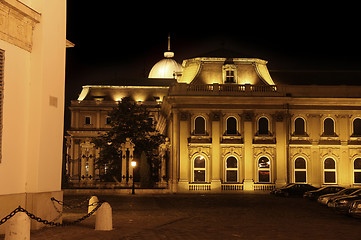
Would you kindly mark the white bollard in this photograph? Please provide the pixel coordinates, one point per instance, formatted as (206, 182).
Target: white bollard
(18, 227)
(92, 203)
(103, 220)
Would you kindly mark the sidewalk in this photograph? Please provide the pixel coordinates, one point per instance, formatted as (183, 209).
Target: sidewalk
(237, 216)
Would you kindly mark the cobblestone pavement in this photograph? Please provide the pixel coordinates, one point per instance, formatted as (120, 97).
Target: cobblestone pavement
(231, 216)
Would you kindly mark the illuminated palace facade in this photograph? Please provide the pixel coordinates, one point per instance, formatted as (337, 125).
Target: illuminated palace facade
(230, 126)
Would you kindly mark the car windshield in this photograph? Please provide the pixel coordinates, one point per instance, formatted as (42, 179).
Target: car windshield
(356, 192)
(287, 185)
(320, 189)
(347, 191)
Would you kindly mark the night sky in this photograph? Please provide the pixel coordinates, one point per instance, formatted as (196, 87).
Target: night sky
(124, 40)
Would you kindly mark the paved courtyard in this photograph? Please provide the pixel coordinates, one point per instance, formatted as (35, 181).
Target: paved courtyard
(231, 216)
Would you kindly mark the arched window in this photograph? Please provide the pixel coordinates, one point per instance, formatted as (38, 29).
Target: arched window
(264, 170)
(263, 126)
(357, 127)
(199, 126)
(231, 169)
(357, 170)
(199, 169)
(329, 169)
(328, 127)
(300, 127)
(231, 126)
(300, 170)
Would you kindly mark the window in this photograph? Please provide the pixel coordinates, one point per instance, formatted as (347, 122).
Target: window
(264, 170)
(107, 120)
(328, 127)
(263, 126)
(231, 169)
(329, 171)
(199, 169)
(300, 127)
(357, 170)
(300, 170)
(199, 126)
(357, 127)
(87, 120)
(229, 72)
(231, 126)
(230, 76)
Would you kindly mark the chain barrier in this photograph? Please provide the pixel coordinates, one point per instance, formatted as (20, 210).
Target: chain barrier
(51, 223)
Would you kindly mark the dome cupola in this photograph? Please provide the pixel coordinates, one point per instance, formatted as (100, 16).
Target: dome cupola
(167, 67)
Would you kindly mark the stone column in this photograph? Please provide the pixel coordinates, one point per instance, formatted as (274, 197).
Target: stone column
(216, 164)
(184, 162)
(175, 151)
(248, 151)
(281, 151)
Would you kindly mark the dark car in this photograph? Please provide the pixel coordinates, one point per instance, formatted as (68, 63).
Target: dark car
(314, 194)
(285, 186)
(343, 203)
(325, 199)
(297, 189)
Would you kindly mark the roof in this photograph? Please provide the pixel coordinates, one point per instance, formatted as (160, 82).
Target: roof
(305, 77)
(224, 53)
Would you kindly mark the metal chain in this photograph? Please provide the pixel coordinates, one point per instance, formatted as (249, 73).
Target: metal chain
(81, 204)
(46, 222)
(10, 215)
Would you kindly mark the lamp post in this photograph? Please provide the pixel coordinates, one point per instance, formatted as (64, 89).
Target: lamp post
(134, 164)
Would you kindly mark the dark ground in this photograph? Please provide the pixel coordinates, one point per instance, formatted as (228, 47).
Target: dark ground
(230, 216)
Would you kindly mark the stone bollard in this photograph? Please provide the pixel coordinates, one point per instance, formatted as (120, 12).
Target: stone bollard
(103, 220)
(92, 203)
(18, 227)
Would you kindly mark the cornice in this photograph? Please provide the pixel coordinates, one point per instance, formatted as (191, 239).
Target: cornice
(17, 22)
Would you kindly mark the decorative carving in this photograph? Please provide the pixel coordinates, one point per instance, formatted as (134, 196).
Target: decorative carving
(264, 150)
(205, 150)
(231, 150)
(279, 116)
(184, 116)
(17, 24)
(248, 116)
(215, 116)
(300, 151)
(330, 151)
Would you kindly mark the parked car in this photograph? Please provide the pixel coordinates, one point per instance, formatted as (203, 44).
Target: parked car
(297, 189)
(324, 199)
(342, 203)
(285, 186)
(355, 208)
(314, 194)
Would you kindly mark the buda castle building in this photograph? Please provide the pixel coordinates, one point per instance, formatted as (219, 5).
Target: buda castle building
(230, 127)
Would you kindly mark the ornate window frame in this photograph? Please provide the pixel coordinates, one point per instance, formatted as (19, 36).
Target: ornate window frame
(205, 169)
(226, 69)
(324, 171)
(299, 169)
(226, 169)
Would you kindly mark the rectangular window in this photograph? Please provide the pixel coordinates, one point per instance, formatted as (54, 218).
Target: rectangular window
(87, 120)
(232, 175)
(300, 176)
(230, 76)
(107, 120)
(330, 177)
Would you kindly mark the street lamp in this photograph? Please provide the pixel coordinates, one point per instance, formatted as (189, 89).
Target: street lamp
(134, 164)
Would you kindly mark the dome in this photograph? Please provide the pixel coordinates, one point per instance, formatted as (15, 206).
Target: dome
(165, 68)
